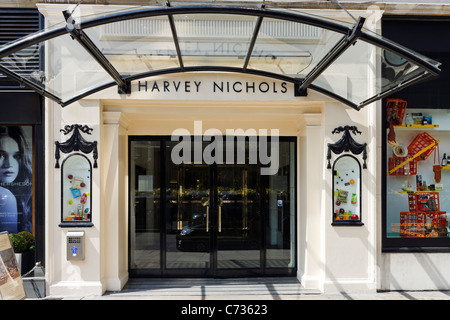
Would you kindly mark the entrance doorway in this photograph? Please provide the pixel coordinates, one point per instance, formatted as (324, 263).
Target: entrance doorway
(210, 220)
(218, 218)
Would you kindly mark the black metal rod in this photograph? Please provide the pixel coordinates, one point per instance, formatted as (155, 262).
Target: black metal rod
(212, 69)
(418, 78)
(332, 55)
(334, 96)
(175, 37)
(87, 43)
(84, 40)
(252, 42)
(411, 56)
(175, 41)
(88, 93)
(25, 82)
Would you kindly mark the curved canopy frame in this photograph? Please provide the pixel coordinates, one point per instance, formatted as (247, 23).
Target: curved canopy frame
(342, 60)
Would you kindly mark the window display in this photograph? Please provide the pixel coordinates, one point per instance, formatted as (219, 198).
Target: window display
(417, 183)
(16, 178)
(76, 191)
(346, 191)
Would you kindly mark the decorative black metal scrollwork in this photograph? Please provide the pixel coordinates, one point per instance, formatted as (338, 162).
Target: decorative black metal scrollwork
(347, 143)
(76, 142)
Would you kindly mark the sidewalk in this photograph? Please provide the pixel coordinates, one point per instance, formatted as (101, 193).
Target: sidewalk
(241, 290)
(269, 306)
(391, 295)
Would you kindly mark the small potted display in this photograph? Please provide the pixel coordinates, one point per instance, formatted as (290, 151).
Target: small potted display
(23, 244)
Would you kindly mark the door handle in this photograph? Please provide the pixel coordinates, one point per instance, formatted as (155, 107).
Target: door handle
(207, 218)
(220, 218)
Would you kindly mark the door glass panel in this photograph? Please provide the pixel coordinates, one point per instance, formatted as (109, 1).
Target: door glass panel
(238, 217)
(145, 205)
(280, 252)
(187, 229)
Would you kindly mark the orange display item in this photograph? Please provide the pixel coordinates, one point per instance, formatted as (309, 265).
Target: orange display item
(395, 161)
(396, 109)
(424, 201)
(420, 142)
(414, 224)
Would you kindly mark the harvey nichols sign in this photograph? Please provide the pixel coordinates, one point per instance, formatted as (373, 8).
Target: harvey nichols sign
(212, 86)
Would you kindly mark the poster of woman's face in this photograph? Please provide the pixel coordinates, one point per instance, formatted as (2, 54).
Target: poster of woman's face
(16, 190)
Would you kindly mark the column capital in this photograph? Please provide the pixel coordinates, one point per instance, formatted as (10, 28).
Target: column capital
(115, 118)
(309, 120)
(312, 119)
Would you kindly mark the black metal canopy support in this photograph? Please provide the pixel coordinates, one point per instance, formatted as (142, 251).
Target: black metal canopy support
(381, 95)
(253, 40)
(25, 82)
(89, 46)
(333, 95)
(175, 41)
(331, 56)
(373, 39)
(175, 38)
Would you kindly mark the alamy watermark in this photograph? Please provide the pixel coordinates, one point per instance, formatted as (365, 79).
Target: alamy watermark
(259, 143)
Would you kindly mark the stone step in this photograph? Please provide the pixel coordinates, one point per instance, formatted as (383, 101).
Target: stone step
(187, 287)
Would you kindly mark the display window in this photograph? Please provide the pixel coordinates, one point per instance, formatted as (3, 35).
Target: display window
(16, 178)
(76, 191)
(347, 191)
(417, 175)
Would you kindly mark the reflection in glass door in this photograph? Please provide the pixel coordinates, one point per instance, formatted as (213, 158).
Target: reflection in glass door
(238, 217)
(188, 242)
(145, 208)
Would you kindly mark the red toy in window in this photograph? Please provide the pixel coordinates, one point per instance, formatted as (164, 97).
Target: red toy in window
(83, 198)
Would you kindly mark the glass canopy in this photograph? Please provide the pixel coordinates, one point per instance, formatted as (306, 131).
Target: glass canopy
(90, 53)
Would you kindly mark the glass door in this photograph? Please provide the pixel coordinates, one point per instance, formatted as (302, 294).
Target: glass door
(214, 225)
(188, 232)
(193, 219)
(238, 216)
(145, 208)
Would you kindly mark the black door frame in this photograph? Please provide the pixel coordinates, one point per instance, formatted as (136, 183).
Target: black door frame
(212, 271)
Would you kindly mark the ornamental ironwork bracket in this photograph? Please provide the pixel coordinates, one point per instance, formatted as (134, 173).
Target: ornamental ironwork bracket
(76, 142)
(347, 143)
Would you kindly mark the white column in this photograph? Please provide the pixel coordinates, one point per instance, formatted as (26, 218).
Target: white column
(310, 185)
(52, 112)
(114, 186)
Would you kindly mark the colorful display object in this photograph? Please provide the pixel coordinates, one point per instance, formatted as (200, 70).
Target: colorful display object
(346, 191)
(417, 176)
(419, 149)
(76, 191)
